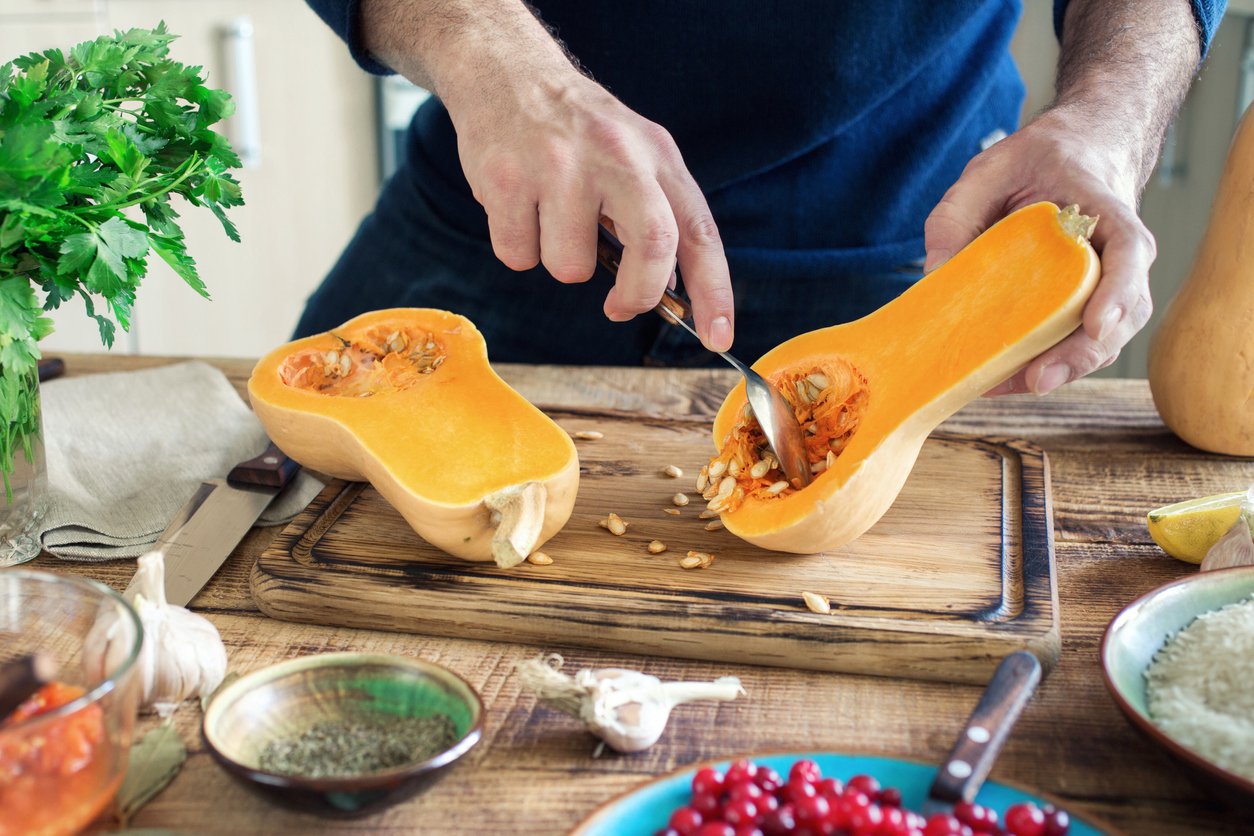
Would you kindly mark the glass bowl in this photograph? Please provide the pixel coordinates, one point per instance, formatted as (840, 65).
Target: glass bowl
(287, 700)
(60, 769)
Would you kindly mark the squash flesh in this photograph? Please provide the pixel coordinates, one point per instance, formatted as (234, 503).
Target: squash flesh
(435, 444)
(965, 327)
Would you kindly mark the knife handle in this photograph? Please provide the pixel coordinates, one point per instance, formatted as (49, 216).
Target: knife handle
(272, 469)
(963, 772)
(673, 307)
(50, 368)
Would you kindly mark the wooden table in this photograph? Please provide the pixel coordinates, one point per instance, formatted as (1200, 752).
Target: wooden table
(533, 772)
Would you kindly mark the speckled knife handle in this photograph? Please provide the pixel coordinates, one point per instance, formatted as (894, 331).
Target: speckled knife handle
(673, 307)
(962, 773)
(272, 469)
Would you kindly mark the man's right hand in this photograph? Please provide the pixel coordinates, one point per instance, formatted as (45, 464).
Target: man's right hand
(548, 152)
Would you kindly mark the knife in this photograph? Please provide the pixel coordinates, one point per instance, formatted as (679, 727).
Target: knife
(963, 772)
(210, 525)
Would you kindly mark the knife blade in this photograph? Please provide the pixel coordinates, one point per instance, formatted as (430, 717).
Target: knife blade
(211, 524)
(979, 743)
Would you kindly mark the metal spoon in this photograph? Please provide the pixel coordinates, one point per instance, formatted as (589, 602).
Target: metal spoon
(775, 416)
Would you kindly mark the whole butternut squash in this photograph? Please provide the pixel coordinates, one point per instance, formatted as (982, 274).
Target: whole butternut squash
(1201, 361)
(405, 399)
(869, 392)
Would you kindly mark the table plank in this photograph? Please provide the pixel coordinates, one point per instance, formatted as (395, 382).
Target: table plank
(1111, 460)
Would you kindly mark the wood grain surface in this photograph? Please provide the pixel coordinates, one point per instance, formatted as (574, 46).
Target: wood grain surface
(957, 574)
(1111, 460)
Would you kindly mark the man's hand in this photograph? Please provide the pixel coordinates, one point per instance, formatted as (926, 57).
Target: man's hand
(548, 152)
(1123, 71)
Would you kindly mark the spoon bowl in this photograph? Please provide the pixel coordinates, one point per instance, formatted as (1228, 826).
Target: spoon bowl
(779, 424)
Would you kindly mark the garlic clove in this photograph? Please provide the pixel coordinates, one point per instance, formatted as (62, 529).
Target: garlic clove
(182, 655)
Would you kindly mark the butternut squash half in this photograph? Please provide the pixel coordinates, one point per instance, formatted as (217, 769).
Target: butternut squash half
(405, 399)
(1201, 359)
(870, 391)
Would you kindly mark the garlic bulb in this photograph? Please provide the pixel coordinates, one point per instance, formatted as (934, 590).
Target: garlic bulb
(182, 655)
(627, 709)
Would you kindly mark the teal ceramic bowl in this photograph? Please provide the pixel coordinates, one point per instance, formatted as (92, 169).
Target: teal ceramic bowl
(1139, 631)
(286, 699)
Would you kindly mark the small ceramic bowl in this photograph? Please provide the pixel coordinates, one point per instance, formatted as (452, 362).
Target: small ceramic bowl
(1139, 631)
(286, 699)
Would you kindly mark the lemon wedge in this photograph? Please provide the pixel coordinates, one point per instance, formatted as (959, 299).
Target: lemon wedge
(1187, 530)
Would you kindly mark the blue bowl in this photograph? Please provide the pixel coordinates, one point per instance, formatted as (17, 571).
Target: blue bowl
(645, 810)
(1139, 631)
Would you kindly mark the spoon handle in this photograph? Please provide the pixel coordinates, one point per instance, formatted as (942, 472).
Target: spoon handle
(673, 307)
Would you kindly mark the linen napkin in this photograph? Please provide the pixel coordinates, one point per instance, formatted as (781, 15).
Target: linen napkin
(126, 450)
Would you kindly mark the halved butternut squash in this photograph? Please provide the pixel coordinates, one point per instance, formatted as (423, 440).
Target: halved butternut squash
(869, 392)
(405, 399)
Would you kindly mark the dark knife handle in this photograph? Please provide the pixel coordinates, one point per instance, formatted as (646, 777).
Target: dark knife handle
(272, 469)
(610, 255)
(50, 367)
(963, 772)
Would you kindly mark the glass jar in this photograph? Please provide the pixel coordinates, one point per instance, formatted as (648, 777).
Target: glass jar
(23, 466)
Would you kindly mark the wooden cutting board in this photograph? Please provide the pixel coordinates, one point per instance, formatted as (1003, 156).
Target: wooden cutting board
(957, 574)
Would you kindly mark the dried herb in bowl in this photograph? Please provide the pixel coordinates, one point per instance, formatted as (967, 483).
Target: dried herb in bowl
(347, 747)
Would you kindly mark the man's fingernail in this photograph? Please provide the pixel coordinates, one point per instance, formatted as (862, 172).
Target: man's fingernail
(1110, 319)
(720, 333)
(618, 317)
(935, 259)
(1051, 377)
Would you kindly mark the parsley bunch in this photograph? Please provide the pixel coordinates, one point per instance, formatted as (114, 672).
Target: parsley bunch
(93, 146)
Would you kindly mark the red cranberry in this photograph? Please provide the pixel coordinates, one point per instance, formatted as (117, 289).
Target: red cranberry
(895, 822)
(685, 820)
(749, 830)
(865, 821)
(857, 798)
(715, 828)
(981, 819)
(768, 779)
(1025, 819)
(707, 781)
(805, 770)
(767, 803)
(943, 824)
(797, 791)
(779, 822)
(745, 790)
(706, 804)
(889, 797)
(739, 772)
(1057, 822)
(740, 811)
(812, 809)
(667, 831)
(829, 788)
(865, 783)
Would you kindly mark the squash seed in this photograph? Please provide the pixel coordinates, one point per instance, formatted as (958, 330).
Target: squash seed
(716, 469)
(616, 525)
(707, 514)
(589, 435)
(704, 559)
(674, 512)
(713, 525)
(673, 472)
(656, 547)
(726, 487)
(818, 380)
(760, 468)
(733, 468)
(816, 603)
(820, 465)
(777, 487)
(703, 479)
(680, 499)
(689, 562)
(539, 559)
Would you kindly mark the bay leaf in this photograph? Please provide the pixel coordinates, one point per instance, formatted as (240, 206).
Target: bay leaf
(154, 761)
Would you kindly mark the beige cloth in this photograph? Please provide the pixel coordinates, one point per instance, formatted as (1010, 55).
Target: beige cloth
(127, 449)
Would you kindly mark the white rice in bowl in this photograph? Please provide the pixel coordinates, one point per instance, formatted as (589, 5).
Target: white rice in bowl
(1200, 687)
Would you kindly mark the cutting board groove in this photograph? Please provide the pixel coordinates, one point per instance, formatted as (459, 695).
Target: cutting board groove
(957, 574)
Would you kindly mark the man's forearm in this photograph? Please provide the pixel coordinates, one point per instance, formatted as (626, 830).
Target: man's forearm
(452, 47)
(1124, 68)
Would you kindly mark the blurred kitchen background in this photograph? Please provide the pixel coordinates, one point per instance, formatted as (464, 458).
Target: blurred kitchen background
(317, 136)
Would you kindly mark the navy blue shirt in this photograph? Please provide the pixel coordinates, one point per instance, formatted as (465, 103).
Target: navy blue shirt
(822, 133)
